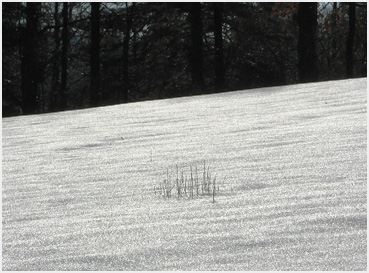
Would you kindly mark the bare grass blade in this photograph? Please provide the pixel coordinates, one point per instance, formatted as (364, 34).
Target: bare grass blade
(188, 185)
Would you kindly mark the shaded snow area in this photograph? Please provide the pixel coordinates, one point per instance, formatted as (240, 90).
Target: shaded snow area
(78, 185)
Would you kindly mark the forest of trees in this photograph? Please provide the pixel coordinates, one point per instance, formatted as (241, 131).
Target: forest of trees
(70, 55)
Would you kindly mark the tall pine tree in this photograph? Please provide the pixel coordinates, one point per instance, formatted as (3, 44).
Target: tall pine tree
(306, 48)
(218, 36)
(350, 41)
(95, 54)
(31, 69)
(64, 58)
(196, 46)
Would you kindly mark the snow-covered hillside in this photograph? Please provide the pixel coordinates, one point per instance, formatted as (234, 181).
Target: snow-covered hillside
(78, 186)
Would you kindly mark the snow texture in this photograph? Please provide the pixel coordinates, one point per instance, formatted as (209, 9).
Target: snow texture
(78, 185)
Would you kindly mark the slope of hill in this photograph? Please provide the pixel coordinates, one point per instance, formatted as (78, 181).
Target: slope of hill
(78, 186)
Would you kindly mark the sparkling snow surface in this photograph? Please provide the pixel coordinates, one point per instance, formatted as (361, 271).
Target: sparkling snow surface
(77, 190)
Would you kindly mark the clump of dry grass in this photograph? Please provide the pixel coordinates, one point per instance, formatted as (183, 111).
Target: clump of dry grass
(191, 184)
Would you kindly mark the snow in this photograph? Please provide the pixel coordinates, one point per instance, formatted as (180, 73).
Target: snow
(78, 185)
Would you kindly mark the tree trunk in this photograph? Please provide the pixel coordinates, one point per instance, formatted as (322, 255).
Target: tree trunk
(219, 63)
(56, 61)
(307, 57)
(126, 54)
(350, 41)
(31, 67)
(196, 46)
(134, 34)
(333, 48)
(95, 54)
(64, 58)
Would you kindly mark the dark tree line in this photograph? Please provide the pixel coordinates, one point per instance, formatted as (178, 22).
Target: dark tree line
(59, 56)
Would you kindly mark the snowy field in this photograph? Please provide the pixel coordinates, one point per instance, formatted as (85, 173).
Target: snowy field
(77, 188)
